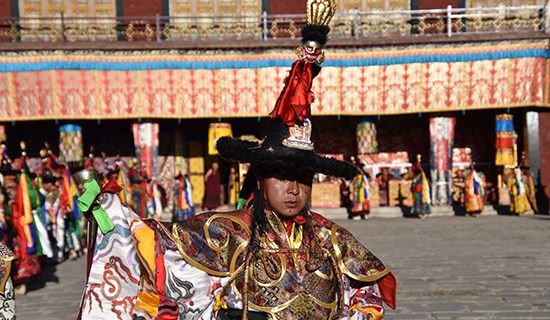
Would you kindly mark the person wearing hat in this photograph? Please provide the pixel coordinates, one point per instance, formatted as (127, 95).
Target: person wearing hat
(183, 199)
(519, 204)
(50, 199)
(474, 191)
(518, 185)
(529, 183)
(56, 195)
(458, 186)
(19, 205)
(7, 296)
(359, 189)
(420, 189)
(272, 259)
(138, 191)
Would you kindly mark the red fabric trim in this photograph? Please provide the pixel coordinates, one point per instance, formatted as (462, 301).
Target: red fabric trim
(299, 219)
(388, 289)
(250, 198)
(111, 187)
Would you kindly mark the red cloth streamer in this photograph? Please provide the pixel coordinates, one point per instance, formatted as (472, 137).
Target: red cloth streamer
(111, 187)
(388, 289)
(295, 99)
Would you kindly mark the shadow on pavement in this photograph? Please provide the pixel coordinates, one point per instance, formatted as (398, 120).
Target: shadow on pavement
(46, 275)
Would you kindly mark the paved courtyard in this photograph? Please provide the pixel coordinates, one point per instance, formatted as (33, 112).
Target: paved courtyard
(492, 267)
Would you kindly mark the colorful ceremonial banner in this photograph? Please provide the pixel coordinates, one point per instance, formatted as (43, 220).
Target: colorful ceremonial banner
(506, 141)
(215, 132)
(213, 84)
(70, 144)
(442, 131)
(366, 138)
(146, 142)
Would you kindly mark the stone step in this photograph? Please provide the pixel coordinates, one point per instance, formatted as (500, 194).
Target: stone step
(380, 212)
(395, 212)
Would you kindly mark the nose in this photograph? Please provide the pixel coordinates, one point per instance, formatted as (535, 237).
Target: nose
(293, 188)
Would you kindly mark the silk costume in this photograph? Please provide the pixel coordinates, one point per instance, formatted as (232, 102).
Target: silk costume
(178, 271)
(474, 192)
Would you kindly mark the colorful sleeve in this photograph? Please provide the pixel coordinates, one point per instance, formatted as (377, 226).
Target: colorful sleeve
(364, 300)
(137, 272)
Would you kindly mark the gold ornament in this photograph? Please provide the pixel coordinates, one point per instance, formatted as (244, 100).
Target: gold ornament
(320, 12)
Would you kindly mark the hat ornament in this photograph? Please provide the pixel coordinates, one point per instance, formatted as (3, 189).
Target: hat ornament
(320, 12)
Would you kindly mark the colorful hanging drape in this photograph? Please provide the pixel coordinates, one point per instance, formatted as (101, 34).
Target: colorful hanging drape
(442, 131)
(216, 131)
(70, 144)
(431, 77)
(366, 138)
(506, 141)
(146, 142)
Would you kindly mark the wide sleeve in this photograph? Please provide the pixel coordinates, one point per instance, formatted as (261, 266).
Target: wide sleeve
(362, 300)
(355, 261)
(136, 271)
(170, 287)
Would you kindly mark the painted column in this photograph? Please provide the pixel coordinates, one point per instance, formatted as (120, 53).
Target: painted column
(146, 142)
(442, 131)
(544, 144)
(533, 143)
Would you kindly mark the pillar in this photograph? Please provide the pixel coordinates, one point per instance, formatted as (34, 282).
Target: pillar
(542, 178)
(442, 130)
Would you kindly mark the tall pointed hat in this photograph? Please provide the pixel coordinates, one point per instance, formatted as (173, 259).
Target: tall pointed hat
(287, 148)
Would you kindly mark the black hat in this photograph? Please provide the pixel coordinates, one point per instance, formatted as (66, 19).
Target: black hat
(49, 177)
(285, 150)
(135, 178)
(6, 169)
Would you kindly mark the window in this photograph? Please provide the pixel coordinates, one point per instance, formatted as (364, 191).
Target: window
(347, 6)
(213, 8)
(503, 3)
(74, 29)
(70, 8)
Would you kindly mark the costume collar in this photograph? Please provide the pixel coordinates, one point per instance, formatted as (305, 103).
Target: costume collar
(285, 233)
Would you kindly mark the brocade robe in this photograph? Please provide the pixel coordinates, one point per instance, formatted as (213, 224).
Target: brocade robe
(191, 270)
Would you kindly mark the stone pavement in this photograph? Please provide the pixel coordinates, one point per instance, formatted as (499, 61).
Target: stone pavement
(447, 267)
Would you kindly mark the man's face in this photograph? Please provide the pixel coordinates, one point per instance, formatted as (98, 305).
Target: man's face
(11, 188)
(287, 197)
(48, 186)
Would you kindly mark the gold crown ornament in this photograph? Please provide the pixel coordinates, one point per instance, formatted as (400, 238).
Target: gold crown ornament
(320, 12)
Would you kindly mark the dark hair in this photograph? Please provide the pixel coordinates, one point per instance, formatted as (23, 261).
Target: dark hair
(259, 220)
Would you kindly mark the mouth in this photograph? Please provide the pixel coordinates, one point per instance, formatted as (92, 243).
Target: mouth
(291, 204)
